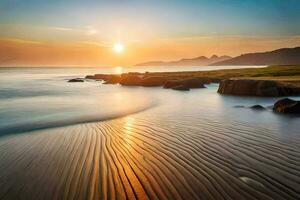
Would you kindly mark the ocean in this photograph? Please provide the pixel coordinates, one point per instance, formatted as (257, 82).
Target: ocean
(37, 98)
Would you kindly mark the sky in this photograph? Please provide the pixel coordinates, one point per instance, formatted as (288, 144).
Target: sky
(83, 32)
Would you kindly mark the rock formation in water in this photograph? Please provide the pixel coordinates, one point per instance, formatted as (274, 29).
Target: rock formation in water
(186, 83)
(194, 83)
(153, 81)
(96, 77)
(74, 80)
(147, 80)
(251, 87)
(112, 79)
(181, 87)
(130, 80)
(287, 105)
(257, 107)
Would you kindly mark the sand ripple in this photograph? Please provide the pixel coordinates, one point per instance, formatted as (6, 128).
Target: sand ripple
(138, 158)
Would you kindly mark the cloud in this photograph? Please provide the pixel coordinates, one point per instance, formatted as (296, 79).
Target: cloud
(98, 44)
(61, 28)
(19, 41)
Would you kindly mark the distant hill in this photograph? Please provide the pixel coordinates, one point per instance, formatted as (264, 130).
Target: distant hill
(201, 60)
(286, 56)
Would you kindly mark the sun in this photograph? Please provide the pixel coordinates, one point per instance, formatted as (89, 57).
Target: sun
(118, 47)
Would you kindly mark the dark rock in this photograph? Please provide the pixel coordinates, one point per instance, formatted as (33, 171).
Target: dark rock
(207, 80)
(75, 80)
(89, 76)
(181, 87)
(99, 76)
(107, 78)
(172, 83)
(287, 105)
(188, 83)
(194, 83)
(153, 81)
(250, 87)
(257, 107)
(130, 80)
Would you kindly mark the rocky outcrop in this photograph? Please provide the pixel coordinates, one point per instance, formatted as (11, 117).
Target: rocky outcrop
(194, 83)
(131, 80)
(153, 81)
(98, 76)
(173, 83)
(257, 107)
(74, 80)
(112, 79)
(287, 106)
(251, 87)
(185, 83)
(181, 87)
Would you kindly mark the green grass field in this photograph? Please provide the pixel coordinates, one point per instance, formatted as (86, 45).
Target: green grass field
(291, 72)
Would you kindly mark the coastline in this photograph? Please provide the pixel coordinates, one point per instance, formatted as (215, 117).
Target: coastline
(275, 80)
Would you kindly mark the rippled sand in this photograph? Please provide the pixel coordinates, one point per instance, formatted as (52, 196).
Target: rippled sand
(146, 157)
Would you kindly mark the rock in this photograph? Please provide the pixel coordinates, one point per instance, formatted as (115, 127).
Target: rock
(250, 87)
(188, 83)
(181, 87)
(172, 83)
(98, 76)
(130, 80)
(107, 78)
(287, 105)
(153, 81)
(75, 80)
(89, 76)
(112, 79)
(194, 83)
(207, 80)
(257, 107)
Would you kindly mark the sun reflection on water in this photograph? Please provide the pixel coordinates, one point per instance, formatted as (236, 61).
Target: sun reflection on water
(128, 124)
(127, 132)
(118, 70)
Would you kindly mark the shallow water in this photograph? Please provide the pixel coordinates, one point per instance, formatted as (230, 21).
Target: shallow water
(161, 144)
(35, 98)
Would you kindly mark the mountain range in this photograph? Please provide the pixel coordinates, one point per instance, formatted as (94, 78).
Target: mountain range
(198, 61)
(284, 56)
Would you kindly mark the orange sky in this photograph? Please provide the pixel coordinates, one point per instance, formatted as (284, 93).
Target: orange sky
(18, 52)
(82, 33)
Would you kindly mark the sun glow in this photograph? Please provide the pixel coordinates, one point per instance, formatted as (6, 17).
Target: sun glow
(118, 70)
(118, 47)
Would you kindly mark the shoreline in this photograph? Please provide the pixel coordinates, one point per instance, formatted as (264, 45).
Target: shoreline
(279, 78)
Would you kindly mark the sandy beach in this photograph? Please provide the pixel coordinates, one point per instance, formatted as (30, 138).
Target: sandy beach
(156, 154)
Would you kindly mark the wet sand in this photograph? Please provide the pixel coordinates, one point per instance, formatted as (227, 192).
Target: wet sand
(145, 157)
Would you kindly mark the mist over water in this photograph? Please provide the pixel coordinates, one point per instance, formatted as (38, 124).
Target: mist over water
(38, 98)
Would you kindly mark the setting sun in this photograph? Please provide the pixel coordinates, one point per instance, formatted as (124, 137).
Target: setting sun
(118, 47)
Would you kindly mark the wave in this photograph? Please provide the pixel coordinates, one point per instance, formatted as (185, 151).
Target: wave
(47, 124)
